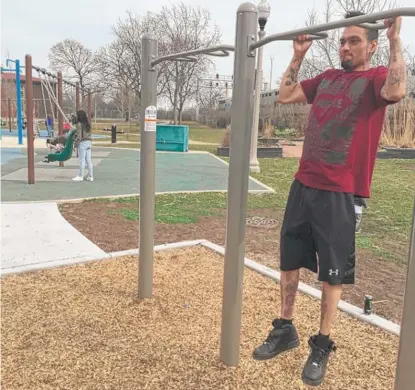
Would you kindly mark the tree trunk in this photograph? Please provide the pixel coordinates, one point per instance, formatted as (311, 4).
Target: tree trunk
(175, 107)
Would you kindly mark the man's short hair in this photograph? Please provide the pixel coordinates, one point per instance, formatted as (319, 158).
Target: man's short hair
(372, 35)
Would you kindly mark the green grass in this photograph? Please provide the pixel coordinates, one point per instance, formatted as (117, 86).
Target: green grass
(209, 135)
(386, 223)
(197, 132)
(121, 125)
(178, 208)
(137, 145)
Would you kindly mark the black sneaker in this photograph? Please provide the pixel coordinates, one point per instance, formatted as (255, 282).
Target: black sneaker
(315, 368)
(281, 338)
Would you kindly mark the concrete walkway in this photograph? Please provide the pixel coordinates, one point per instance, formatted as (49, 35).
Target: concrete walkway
(35, 235)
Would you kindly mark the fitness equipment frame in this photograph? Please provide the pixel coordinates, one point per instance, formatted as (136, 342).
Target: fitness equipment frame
(29, 109)
(17, 70)
(242, 115)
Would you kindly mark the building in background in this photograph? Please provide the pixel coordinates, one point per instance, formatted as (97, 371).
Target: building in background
(8, 96)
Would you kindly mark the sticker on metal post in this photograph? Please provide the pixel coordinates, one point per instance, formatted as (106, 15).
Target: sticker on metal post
(150, 119)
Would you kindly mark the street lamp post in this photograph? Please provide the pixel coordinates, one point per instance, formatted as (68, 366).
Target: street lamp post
(264, 10)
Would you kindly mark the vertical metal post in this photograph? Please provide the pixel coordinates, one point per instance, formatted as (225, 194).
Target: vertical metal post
(29, 117)
(19, 104)
(9, 112)
(113, 134)
(147, 167)
(405, 373)
(60, 103)
(242, 104)
(90, 107)
(253, 162)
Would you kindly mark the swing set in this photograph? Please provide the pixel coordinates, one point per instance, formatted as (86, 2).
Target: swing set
(56, 103)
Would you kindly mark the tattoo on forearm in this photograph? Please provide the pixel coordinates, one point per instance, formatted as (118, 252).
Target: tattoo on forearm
(397, 69)
(291, 75)
(396, 76)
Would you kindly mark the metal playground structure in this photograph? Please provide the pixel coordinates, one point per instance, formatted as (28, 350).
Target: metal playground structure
(57, 100)
(245, 48)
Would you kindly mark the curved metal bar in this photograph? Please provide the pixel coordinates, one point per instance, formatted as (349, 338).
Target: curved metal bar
(313, 37)
(225, 49)
(372, 26)
(357, 20)
(222, 53)
(187, 59)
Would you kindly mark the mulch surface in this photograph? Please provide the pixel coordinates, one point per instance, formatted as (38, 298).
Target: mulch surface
(82, 327)
(107, 228)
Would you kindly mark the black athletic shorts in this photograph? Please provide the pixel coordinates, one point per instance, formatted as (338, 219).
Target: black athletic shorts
(319, 222)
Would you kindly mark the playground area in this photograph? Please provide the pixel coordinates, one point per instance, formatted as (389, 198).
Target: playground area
(163, 268)
(117, 173)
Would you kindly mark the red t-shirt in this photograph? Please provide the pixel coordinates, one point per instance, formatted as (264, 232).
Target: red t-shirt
(343, 130)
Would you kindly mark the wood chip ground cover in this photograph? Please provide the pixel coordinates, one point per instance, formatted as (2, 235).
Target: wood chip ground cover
(82, 327)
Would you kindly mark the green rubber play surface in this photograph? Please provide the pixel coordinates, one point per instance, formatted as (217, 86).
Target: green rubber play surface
(116, 172)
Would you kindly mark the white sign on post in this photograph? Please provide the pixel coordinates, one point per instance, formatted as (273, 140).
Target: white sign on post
(150, 119)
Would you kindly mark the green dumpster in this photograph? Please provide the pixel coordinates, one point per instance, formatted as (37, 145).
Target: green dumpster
(172, 138)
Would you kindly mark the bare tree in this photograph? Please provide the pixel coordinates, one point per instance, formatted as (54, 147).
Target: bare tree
(71, 56)
(185, 28)
(324, 54)
(120, 61)
(209, 97)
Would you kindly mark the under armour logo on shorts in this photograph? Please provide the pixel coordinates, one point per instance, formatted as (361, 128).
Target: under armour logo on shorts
(332, 272)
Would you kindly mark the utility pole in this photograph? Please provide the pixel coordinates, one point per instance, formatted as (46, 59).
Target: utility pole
(270, 73)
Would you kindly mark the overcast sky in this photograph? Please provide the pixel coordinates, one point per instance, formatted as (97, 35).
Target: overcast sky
(33, 26)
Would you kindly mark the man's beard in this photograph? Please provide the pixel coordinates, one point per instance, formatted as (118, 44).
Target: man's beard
(347, 66)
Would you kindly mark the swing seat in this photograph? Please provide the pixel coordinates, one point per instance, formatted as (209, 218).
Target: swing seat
(66, 152)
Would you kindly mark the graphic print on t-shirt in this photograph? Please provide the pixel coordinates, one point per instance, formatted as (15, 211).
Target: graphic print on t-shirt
(333, 118)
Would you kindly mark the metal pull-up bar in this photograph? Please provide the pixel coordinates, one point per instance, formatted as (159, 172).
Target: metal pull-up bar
(149, 62)
(215, 51)
(363, 21)
(241, 117)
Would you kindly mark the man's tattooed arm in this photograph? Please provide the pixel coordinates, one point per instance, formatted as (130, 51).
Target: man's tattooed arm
(394, 88)
(290, 89)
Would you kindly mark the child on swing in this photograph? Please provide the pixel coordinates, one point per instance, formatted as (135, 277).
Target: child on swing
(57, 144)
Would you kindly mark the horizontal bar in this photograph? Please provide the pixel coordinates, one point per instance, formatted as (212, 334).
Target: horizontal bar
(357, 20)
(9, 60)
(313, 37)
(187, 59)
(372, 26)
(44, 71)
(205, 50)
(223, 53)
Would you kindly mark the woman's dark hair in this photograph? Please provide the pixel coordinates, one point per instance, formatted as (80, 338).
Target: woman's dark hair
(82, 118)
